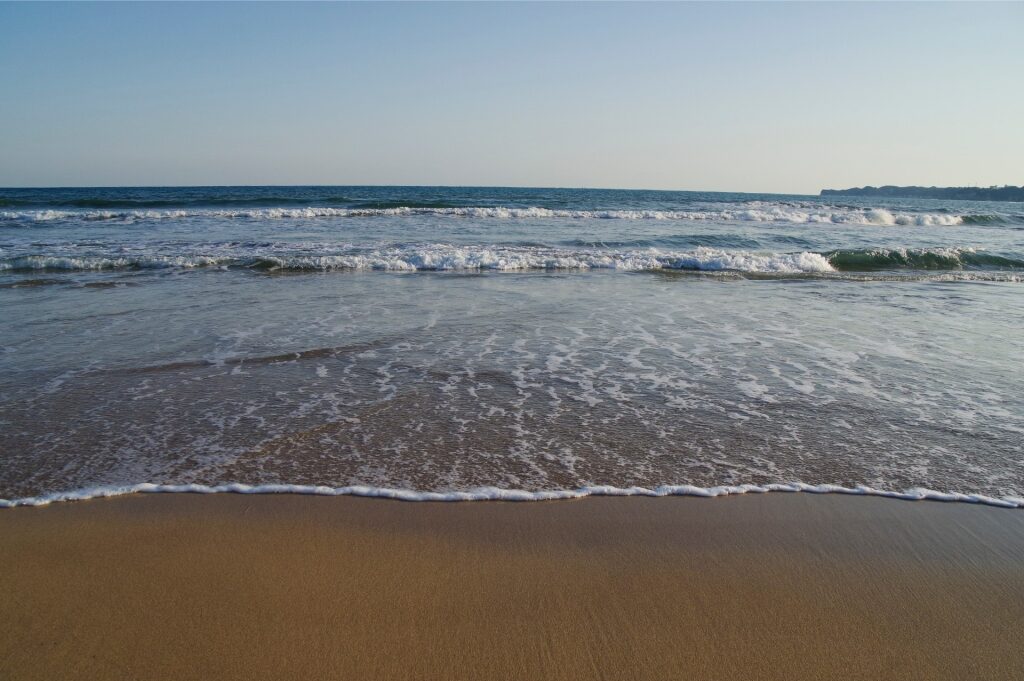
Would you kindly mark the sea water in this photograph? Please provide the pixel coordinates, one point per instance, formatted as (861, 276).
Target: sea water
(451, 343)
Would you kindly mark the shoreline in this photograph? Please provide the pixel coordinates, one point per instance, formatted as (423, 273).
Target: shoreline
(279, 586)
(506, 494)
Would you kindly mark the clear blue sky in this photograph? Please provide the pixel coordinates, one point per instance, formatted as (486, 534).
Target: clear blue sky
(747, 97)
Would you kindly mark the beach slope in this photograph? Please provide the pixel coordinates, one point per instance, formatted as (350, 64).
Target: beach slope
(793, 586)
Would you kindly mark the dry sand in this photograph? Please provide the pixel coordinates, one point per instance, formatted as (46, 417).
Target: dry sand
(790, 586)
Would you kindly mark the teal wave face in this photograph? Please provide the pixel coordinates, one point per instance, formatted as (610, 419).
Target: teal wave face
(984, 219)
(918, 259)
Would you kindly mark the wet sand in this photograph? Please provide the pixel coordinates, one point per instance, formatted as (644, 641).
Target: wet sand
(794, 586)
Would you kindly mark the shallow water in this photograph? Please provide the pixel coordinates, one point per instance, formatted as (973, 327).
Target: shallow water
(443, 340)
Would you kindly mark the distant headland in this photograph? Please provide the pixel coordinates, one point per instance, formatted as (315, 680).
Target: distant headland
(1006, 193)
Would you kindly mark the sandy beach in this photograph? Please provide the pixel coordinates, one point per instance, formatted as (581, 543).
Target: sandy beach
(769, 586)
(511, 341)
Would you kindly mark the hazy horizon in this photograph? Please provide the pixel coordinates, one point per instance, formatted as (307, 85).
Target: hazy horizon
(753, 98)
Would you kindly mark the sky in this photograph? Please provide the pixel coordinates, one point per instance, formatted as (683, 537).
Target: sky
(766, 97)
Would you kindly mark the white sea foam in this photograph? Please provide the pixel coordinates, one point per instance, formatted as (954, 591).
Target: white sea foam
(888, 264)
(85, 262)
(443, 258)
(446, 257)
(501, 494)
(753, 212)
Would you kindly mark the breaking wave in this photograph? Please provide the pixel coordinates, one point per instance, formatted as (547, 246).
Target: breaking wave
(753, 212)
(447, 257)
(443, 257)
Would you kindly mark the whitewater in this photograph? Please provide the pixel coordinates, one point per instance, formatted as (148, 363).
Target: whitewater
(753, 212)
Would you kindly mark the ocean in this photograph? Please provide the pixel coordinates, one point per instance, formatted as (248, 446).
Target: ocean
(463, 343)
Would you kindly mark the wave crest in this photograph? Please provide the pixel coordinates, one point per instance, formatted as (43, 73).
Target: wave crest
(750, 213)
(443, 257)
(960, 264)
(919, 259)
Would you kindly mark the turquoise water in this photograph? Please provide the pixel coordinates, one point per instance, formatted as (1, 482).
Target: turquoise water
(448, 339)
